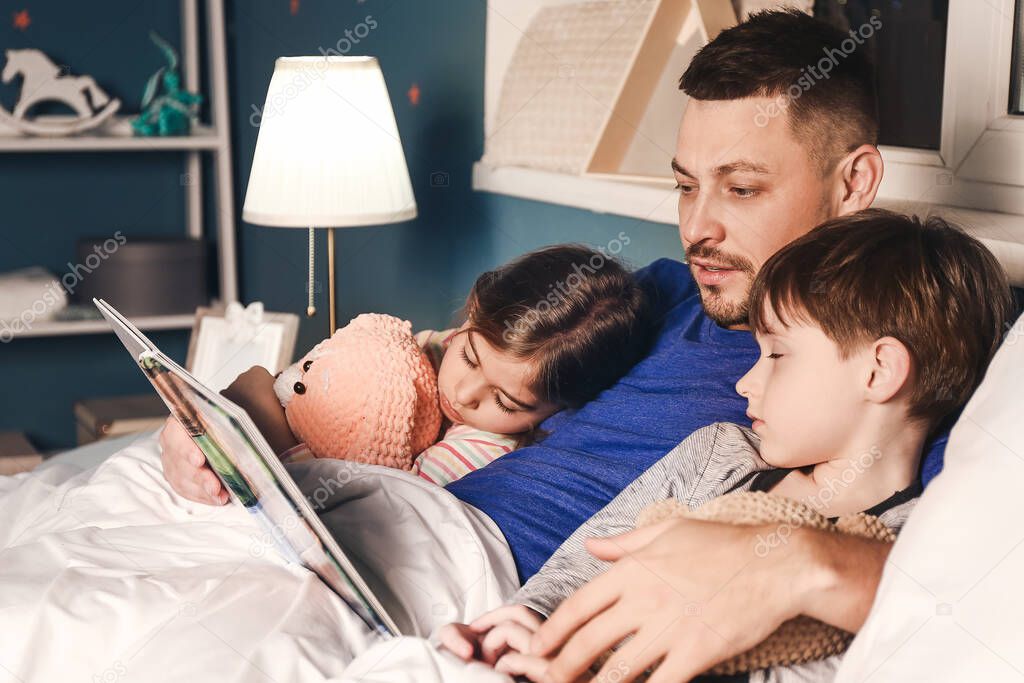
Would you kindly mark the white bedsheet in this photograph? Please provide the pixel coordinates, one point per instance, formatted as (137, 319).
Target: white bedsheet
(108, 575)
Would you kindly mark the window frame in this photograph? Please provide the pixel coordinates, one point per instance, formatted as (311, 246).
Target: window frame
(980, 160)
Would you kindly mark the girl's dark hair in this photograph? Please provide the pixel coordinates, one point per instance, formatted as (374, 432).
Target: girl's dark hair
(575, 312)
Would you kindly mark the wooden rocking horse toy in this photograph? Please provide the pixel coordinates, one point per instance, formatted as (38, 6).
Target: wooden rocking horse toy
(44, 81)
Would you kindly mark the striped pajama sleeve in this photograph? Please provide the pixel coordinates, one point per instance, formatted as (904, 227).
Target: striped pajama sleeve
(462, 450)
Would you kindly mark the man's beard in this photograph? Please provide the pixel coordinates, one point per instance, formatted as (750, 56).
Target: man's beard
(723, 311)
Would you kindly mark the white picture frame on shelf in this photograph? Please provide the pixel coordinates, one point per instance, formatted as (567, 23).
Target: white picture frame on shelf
(227, 341)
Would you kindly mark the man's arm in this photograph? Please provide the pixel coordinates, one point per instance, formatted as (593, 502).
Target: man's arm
(849, 570)
(695, 593)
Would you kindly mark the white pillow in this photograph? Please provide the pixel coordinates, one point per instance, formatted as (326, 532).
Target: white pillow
(951, 603)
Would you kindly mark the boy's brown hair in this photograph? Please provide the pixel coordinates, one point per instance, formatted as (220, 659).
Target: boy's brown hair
(878, 274)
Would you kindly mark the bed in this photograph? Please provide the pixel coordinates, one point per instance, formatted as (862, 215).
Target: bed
(110, 575)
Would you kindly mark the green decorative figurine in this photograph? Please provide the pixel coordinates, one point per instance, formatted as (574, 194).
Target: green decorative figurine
(167, 109)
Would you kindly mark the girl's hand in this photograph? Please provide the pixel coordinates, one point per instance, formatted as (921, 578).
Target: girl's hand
(253, 391)
(251, 387)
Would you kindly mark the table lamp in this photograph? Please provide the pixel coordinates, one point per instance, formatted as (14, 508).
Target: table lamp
(328, 154)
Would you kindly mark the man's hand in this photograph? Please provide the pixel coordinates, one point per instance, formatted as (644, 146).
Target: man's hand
(185, 467)
(690, 593)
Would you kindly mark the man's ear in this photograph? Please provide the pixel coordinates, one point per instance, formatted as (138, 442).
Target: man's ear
(859, 174)
(889, 366)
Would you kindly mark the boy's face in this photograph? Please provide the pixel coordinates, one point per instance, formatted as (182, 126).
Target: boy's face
(746, 190)
(804, 399)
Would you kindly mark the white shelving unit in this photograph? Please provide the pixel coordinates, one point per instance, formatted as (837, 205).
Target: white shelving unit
(71, 327)
(647, 200)
(116, 136)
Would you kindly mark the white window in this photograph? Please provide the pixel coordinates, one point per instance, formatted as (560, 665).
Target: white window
(979, 159)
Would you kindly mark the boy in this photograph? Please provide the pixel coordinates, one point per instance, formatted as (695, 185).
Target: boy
(873, 328)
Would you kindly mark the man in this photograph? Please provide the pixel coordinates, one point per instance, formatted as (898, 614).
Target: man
(763, 155)
(779, 135)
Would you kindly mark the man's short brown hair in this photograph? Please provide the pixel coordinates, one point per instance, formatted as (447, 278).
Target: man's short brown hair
(783, 55)
(877, 274)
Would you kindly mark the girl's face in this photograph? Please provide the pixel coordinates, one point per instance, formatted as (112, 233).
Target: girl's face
(805, 400)
(487, 389)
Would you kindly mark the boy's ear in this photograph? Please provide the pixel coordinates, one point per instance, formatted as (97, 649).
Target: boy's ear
(890, 366)
(859, 174)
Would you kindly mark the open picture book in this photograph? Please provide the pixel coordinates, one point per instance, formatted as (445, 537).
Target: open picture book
(251, 473)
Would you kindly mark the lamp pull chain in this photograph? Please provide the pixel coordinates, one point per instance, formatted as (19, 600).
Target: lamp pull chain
(310, 308)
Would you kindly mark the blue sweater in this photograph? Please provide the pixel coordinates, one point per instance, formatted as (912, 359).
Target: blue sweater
(538, 495)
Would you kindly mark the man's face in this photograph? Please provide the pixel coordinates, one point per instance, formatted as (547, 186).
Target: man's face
(746, 190)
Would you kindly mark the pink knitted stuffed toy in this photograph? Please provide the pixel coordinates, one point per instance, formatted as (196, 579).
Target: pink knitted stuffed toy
(368, 394)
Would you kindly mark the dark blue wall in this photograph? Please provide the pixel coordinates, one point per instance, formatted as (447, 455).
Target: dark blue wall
(419, 270)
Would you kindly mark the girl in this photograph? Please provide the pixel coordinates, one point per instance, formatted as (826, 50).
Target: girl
(547, 331)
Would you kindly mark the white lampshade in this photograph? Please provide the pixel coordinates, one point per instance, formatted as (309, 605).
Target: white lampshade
(328, 152)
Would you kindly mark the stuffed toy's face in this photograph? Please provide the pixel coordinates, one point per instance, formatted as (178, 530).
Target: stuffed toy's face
(367, 394)
(291, 377)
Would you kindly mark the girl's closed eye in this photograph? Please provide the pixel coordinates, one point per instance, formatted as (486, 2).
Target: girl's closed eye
(774, 355)
(465, 357)
(502, 407)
